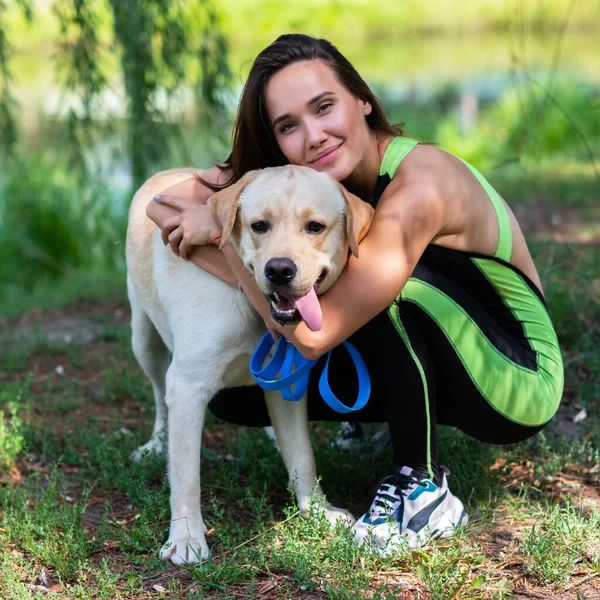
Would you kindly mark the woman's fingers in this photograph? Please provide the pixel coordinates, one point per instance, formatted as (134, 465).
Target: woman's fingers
(168, 226)
(274, 333)
(184, 247)
(175, 239)
(173, 201)
(190, 189)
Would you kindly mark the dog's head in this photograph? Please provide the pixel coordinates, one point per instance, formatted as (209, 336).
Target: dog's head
(292, 227)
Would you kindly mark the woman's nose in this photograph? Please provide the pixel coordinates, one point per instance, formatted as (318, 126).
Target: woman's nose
(315, 135)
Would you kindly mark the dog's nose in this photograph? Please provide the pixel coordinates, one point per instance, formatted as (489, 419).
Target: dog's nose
(280, 270)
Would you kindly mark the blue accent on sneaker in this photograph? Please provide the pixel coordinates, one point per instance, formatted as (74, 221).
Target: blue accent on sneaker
(430, 487)
(388, 501)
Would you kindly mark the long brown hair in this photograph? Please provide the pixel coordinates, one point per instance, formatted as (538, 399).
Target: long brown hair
(254, 145)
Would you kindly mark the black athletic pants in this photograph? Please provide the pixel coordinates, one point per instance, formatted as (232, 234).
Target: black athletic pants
(410, 399)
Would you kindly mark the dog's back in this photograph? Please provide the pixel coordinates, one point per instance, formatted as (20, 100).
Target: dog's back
(177, 308)
(169, 290)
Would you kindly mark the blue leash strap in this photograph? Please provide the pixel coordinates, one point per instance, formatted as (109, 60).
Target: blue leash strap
(286, 356)
(364, 383)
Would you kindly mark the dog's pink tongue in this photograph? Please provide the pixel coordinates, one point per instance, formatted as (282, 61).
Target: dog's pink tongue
(310, 310)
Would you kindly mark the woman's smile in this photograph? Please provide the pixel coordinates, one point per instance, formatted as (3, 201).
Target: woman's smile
(327, 155)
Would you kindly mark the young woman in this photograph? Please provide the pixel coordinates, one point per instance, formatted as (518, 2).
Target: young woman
(444, 304)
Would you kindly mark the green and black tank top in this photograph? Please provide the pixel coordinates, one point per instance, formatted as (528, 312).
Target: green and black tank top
(519, 372)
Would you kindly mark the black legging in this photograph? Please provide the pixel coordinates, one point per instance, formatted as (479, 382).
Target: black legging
(398, 394)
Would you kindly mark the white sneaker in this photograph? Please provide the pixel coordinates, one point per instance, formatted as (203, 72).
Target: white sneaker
(407, 512)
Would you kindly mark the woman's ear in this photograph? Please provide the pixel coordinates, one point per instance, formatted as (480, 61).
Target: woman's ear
(224, 205)
(367, 107)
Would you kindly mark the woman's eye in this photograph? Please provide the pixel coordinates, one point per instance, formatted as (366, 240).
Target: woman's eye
(315, 227)
(286, 127)
(325, 106)
(260, 226)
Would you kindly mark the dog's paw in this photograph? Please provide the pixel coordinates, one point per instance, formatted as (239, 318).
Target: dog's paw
(317, 507)
(334, 514)
(185, 550)
(154, 446)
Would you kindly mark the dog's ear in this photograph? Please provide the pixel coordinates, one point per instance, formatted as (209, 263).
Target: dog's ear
(359, 215)
(224, 205)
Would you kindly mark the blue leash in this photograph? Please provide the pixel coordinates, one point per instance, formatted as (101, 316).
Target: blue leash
(286, 356)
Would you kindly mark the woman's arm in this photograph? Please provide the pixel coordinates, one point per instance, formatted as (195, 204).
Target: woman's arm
(405, 222)
(168, 218)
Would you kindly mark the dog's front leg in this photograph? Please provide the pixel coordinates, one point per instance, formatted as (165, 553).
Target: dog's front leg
(186, 401)
(290, 423)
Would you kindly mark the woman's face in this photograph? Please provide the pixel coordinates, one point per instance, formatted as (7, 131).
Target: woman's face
(317, 122)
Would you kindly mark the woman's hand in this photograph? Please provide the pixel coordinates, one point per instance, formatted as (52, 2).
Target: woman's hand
(194, 226)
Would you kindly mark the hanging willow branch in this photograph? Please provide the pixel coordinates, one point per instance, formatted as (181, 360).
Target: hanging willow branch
(156, 41)
(79, 69)
(8, 104)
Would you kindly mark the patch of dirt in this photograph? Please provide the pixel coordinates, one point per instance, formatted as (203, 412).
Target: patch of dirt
(80, 323)
(564, 226)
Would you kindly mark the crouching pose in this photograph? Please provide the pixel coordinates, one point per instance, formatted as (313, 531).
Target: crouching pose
(443, 302)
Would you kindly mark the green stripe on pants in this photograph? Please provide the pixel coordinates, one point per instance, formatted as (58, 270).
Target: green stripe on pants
(521, 395)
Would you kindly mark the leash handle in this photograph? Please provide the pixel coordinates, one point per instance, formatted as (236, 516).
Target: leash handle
(364, 383)
(286, 357)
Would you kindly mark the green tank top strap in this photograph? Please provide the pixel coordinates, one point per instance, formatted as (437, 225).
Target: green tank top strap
(504, 247)
(399, 147)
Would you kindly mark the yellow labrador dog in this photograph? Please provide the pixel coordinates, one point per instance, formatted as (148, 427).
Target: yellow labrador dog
(193, 335)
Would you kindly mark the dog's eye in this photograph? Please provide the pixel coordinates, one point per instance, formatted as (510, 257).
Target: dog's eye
(260, 226)
(314, 227)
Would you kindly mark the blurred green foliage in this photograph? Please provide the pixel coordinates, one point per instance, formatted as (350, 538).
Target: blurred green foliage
(528, 124)
(154, 40)
(53, 223)
(370, 20)
(58, 213)
(8, 105)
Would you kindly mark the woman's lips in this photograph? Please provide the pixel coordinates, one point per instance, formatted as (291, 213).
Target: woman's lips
(329, 156)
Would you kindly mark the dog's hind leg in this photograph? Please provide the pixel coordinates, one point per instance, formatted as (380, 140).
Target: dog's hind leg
(154, 358)
(290, 423)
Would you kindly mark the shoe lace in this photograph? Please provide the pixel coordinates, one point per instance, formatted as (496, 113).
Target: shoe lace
(390, 493)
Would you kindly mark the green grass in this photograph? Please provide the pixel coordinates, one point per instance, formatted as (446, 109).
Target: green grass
(95, 522)
(562, 540)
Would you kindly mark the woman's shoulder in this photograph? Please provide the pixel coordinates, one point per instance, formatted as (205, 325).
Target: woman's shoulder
(423, 167)
(429, 167)
(424, 188)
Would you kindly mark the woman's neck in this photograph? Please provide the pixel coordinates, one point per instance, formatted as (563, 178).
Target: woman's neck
(363, 179)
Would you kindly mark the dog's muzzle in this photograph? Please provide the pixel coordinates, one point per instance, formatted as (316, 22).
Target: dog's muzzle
(287, 305)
